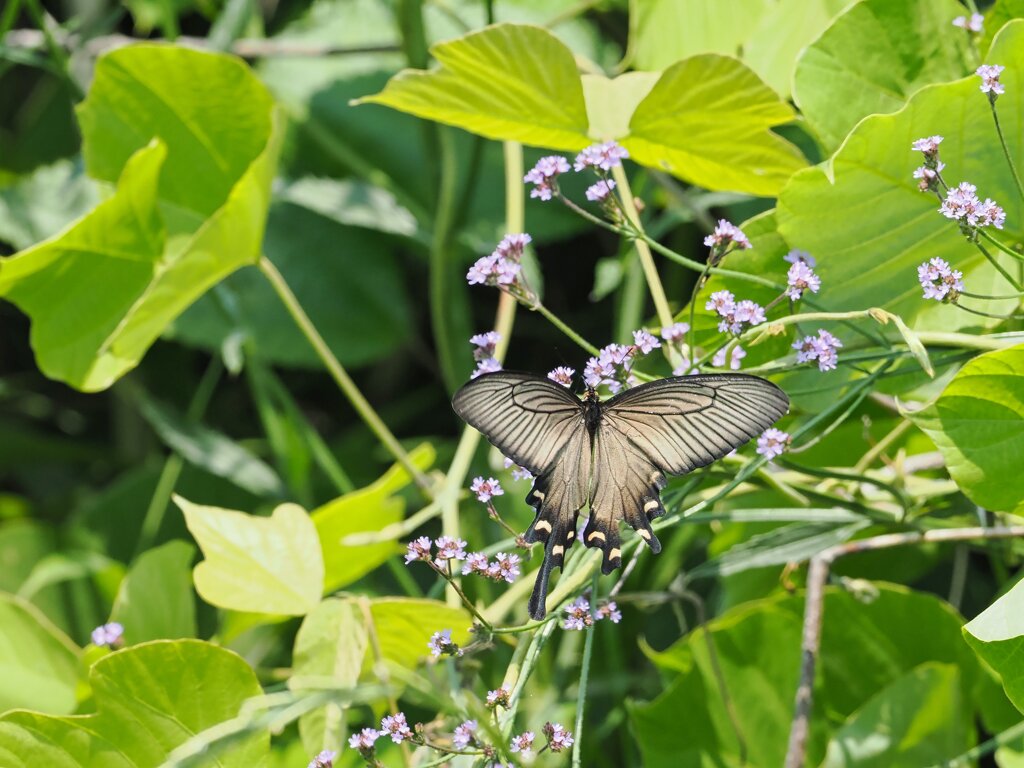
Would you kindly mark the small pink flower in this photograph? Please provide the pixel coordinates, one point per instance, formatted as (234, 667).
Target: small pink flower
(499, 697)
(518, 473)
(558, 738)
(726, 233)
(599, 191)
(419, 549)
(989, 74)
(486, 490)
(772, 442)
(562, 375)
(485, 343)
(523, 743)
(801, 278)
(928, 145)
(578, 615)
(396, 727)
(464, 734)
(675, 332)
(487, 365)
(604, 156)
(975, 24)
(449, 548)
(476, 562)
(364, 740)
(609, 611)
(543, 176)
(645, 341)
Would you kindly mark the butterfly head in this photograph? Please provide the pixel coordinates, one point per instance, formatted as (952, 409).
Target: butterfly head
(590, 396)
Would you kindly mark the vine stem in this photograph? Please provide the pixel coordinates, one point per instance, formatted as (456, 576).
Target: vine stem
(999, 267)
(643, 249)
(817, 576)
(560, 325)
(1001, 245)
(1006, 149)
(340, 376)
(581, 694)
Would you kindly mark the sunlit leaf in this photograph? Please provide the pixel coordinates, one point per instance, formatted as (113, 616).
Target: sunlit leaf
(997, 634)
(166, 571)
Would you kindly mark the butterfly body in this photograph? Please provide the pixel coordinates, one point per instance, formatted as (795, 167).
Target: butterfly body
(610, 456)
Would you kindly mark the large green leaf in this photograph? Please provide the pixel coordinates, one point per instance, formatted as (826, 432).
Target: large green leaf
(997, 634)
(918, 719)
(510, 81)
(913, 44)
(150, 699)
(102, 291)
(978, 425)
(165, 571)
(365, 510)
(39, 205)
(260, 564)
(38, 664)
(863, 218)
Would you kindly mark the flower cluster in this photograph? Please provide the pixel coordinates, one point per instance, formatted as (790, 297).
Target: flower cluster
(518, 473)
(499, 697)
(964, 206)
(579, 616)
(396, 727)
(613, 365)
(324, 760)
(989, 74)
(503, 268)
(523, 743)
(440, 644)
(110, 635)
(940, 281)
(484, 347)
(562, 375)
(772, 442)
(734, 314)
(800, 278)
(364, 741)
(928, 175)
(504, 568)
(973, 24)
(821, 348)
(486, 490)
(559, 739)
(448, 548)
(602, 157)
(725, 235)
(465, 734)
(735, 357)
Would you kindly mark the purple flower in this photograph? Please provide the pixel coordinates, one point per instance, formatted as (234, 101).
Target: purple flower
(324, 760)
(928, 178)
(801, 278)
(512, 246)
(493, 270)
(505, 566)
(523, 743)
(543, 175)
(962, 205)
(645, 341)
(464, 734)
(440, 644)
(600, 190)
(419, 549)
(578, 614)
(685, 368)
(990, 214)
(772, 443)
(928, 145)
(487, 365)
(485, 343)
(940, 281)
(518, 473)
(609, 611)
(989, 74)
(396, 727)
(749, 312)
(724, 234)
(476, 562)
(821, 348)
(975, 24)
(558, 738)
(604, 156)
(797, 256)
(562, 375)
(734, 314)
(364, 740)
(449, 548)
(737, 354)
(675, 332)
(610, 367)
(485, 490)
(110, 635)
(498, 697)
(722, 302)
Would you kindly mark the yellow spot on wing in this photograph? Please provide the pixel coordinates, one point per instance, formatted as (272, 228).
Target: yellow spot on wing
(652, 504)
(614, 554)
(595, 535)
(542, 525)
(557, 549)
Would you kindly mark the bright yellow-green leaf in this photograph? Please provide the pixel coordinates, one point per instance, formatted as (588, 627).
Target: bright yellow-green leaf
(997, 635)
(165, 570)
(260, 564)
(612, 101)
(509, 81)
(708, 121)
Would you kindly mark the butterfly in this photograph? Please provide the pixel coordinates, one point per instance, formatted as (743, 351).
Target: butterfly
(611, 455)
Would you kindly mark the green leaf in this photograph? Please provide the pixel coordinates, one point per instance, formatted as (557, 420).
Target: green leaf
(365, 510)
(404, 625)
(1000, 13)
(915, 44)
(38, 664)
(708, 120)
(149, 699)
(509, 81)
(868, 188)
(40, 205)
(23, 543)
(263, 565)
(165, 571)
(997, 635)
(210, 450)
(918, 719)
(978, 425)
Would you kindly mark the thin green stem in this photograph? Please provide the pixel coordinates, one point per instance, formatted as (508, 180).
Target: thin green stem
(995, 263)
(693, 310)
(1001, 245)
(9, 16)
(1006, 149)
(340, 376)
(441, 260)
(696, 266)
(986, 297)
(642, 248)
(174, 464)
(983, 343)
(581, 694)
(987, 314)
(560, 325)
(60, 57)
(969, 757)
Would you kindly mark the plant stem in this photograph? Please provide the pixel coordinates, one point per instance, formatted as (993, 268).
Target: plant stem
(815, 605)
(60, 57)
(968, 758)
(999, 267)
(696, 266)
(440, 259)
(560, 325)
(978, 312)
(1006, 150)
(340, 376)
(642, 248)
(581, 693)
(174, 464)
(984, 343)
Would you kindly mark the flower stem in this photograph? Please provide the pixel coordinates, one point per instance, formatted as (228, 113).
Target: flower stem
(987, 314)
(340, 376)
(1006, 151)
(1001, 246)
(581, 694)
(999, 267)
(696, 266)
(557, 322)
(643, 249)
(450, 578)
